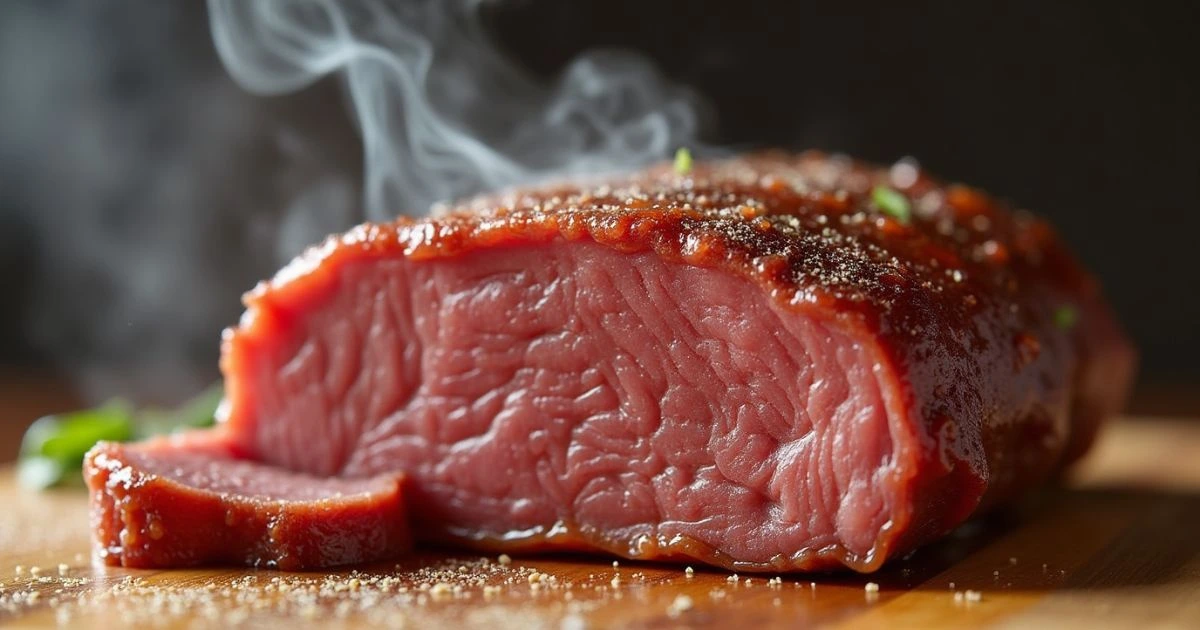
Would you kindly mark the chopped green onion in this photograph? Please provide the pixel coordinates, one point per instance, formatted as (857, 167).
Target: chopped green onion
(53, 447)
(892, 203)
(1066, 317)
(683, 161)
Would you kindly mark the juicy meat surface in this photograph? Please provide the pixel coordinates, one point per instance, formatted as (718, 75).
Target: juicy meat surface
(167, 504)
(646, 400)
(754, 364)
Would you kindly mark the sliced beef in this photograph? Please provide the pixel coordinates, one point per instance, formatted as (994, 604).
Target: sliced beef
(168, 504)
(769, 363)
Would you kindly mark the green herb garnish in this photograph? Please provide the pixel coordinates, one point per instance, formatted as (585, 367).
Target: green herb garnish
(1066, 317)
(195, 413)
(892, 203)
(683, 161)
(53, 447)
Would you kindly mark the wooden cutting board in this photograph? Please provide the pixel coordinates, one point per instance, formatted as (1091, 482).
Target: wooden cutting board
(1118, 547)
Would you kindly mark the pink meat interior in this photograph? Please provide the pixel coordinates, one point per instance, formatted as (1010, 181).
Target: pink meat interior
(527, 389)
(202, 471)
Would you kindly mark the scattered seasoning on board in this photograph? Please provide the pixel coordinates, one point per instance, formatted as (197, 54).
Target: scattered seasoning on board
(968, 596)
(680, 605)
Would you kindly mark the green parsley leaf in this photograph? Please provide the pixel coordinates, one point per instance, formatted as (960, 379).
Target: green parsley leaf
(53, 447)
(892, 203)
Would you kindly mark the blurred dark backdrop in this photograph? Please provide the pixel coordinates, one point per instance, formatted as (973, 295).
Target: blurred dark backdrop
(116, 120)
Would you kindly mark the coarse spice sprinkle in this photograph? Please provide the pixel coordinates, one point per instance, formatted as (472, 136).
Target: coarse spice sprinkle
(680, 605)
(389, 598)
(968, 596)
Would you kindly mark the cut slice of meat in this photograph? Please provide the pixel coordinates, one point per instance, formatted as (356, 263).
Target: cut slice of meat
(170, 504)
(768, 363)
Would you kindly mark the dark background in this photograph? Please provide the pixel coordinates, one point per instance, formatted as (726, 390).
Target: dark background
(1083, 112)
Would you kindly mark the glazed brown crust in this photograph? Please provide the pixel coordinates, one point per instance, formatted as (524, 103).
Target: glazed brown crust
(968, 300)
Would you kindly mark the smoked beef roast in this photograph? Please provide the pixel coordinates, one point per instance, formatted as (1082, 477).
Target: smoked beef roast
(768, 363)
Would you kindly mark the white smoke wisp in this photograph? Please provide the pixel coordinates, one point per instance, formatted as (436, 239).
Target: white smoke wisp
(441, 112)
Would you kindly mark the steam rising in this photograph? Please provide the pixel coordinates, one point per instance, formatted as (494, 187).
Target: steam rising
(441, 113)
(144, 191)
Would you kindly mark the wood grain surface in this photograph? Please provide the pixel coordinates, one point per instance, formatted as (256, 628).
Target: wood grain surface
(1118, 546)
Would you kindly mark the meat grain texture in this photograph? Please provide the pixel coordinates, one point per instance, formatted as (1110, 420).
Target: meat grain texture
(775, 362)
